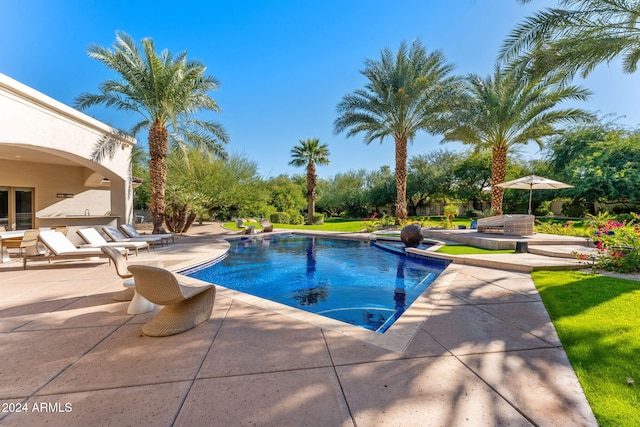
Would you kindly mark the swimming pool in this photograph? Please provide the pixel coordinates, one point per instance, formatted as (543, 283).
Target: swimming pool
(347, 280)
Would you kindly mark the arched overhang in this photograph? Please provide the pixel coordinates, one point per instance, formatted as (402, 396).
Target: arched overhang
(39, 130)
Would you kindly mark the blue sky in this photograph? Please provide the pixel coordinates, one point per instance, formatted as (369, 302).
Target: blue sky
(283, 65)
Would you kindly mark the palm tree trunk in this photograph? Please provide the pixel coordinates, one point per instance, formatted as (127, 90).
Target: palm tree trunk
(498, 172)
(401, 180)
(311, 192)
(158, 146)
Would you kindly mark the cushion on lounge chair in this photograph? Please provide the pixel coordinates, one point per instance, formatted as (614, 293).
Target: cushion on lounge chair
(95, 240)
(184, 306)
(118, 236)
(130, 231)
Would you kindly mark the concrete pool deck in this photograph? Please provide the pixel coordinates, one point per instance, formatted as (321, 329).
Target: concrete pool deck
(484, 352)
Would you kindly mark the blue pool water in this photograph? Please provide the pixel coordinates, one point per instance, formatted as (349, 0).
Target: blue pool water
(347, 280)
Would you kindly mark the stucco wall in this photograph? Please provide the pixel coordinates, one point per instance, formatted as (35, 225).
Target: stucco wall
(51, 180)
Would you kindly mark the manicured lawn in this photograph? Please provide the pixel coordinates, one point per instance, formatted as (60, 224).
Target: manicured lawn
(598, 321)
(471, 250)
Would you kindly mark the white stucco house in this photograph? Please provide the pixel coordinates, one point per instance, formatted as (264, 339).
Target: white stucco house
(47, 174)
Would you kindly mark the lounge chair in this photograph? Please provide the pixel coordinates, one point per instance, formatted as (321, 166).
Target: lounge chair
(95, 240)
(239, 224)
(118, 236)
(251, 229)
(516, 225)
(130, 231)
(184, 306)
(64, 229)
(138, 304)
(267, 227)
(59, 247)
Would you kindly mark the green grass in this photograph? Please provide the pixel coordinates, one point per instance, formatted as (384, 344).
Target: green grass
(598, 322)
(471, 250)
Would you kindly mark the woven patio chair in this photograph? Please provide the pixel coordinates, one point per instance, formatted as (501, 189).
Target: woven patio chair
(138, 304)
(267, 227)
(184, 306)
(121, 270)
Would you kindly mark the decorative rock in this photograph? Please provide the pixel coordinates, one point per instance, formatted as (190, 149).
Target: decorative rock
(411, 235)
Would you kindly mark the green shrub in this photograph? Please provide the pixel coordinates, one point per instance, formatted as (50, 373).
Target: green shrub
(625, 209)
(618, 245)
(544, 209)
(318, 219)
(574, 209)
(296, 218)
(566, 229)
(279, 218)
(450, 212)
(627, 217)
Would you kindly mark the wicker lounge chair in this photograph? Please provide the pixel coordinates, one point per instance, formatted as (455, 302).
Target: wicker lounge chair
(184, 306)
(130, 231)
(118, 236)
(139, 304)
(59, 247)
(516, 225)
(95, 240)
(267, 227)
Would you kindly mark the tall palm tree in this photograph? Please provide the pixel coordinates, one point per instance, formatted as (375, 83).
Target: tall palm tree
(310, 153)
(578, 36)
(166, 91)
(408, 91)
(508, 109)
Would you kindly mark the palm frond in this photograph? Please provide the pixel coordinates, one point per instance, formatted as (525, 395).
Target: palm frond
(107, 145)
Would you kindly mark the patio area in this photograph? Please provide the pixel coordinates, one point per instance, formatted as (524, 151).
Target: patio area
(478, 349)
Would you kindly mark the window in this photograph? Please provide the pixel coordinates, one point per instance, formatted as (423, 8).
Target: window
(16, 208)
(4, 207)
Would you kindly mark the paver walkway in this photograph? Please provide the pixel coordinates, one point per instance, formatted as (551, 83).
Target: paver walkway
(484, 352)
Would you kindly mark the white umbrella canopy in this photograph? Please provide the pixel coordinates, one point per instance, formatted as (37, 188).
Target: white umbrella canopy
(534, 182)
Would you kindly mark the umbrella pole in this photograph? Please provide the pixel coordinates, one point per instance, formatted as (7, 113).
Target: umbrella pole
(530, 194)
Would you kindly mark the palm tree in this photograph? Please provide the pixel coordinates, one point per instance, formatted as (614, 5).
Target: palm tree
(167, 92)
(578, 36)
(310, 153)
(408, 91)
(510, 109)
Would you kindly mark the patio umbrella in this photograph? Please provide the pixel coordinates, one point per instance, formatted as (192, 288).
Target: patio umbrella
(534, 182)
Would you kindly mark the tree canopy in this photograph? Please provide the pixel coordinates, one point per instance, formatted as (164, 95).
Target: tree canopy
(407, 91)
(166, 92)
